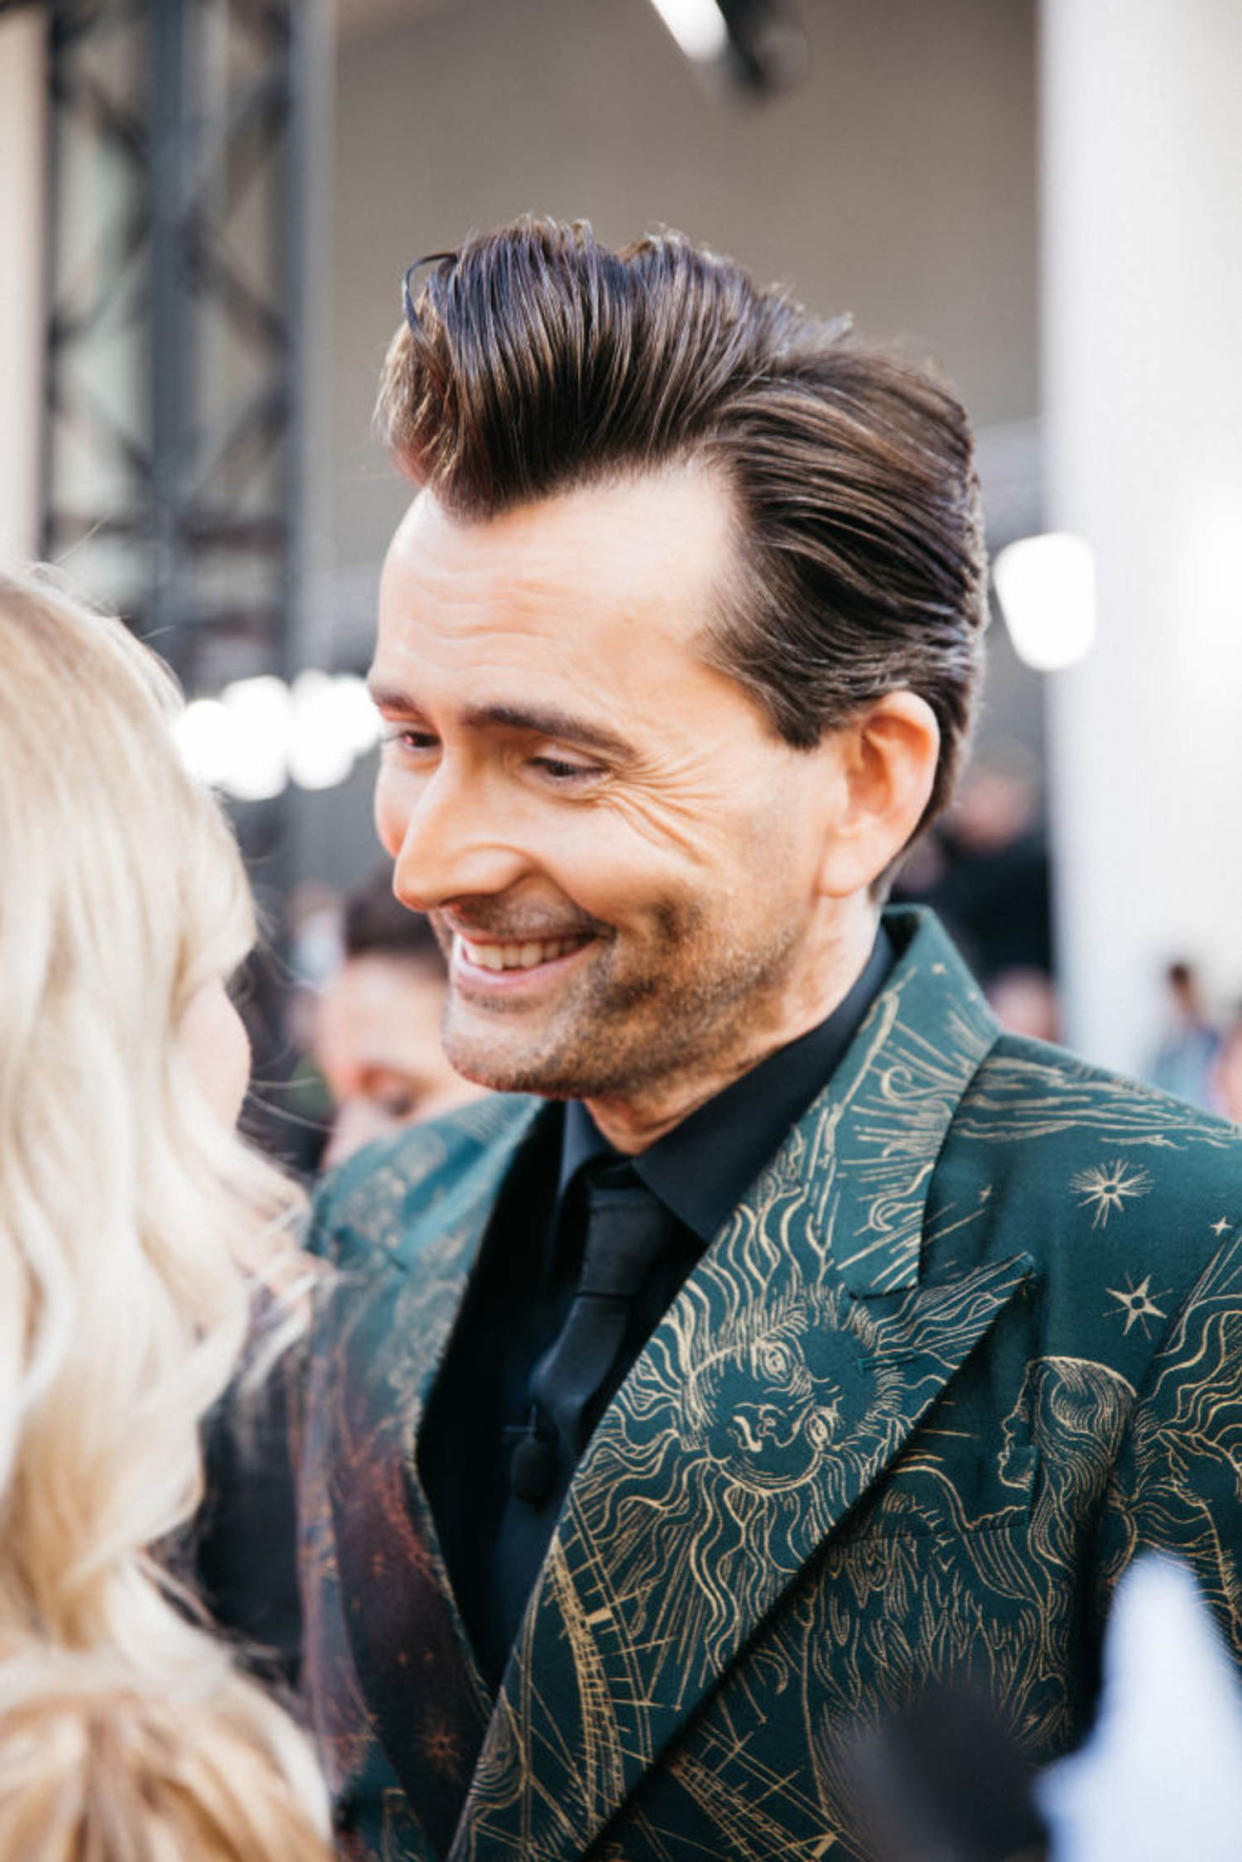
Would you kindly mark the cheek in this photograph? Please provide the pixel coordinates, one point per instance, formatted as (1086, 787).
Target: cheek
(388, 813)
(624, 860)
(213, 1038)
(726, 849)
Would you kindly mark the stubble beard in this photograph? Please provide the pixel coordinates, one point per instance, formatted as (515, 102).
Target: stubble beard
(629, 1031)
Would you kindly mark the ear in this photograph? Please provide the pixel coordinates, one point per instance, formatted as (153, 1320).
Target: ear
(886, 767)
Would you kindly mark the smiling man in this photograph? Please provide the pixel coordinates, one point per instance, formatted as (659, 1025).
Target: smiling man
(643, 888)
(782, 1338)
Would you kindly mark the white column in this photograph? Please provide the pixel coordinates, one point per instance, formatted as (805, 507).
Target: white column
(1142, 124)
(22, 211)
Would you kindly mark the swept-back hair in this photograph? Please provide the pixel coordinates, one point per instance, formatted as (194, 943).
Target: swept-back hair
(132, 1224)
(535, 360)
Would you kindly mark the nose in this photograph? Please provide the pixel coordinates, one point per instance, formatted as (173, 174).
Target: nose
(453, 844)
(756, 1425)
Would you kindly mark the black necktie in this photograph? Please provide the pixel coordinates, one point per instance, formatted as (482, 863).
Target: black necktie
(627, 1229)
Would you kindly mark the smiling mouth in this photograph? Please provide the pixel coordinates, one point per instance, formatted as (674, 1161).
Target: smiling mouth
(528, 955)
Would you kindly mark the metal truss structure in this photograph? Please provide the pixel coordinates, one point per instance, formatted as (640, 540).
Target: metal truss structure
(179, 171)
(172, 487)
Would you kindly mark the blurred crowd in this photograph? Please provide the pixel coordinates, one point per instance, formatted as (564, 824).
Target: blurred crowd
(985, 870)
(1198, 1055)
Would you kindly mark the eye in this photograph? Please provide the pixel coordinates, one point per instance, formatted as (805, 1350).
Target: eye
(561, 771)
(406, 737)
(774, 1361)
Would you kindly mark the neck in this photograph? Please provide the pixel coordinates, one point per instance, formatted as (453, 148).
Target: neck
(632, 1122)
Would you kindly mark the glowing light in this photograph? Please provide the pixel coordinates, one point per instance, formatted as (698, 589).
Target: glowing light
(356, 715)
(260, 733)
(697, 25)
(205, 734)
(261, 712)
(1046, 589)
(329, 729)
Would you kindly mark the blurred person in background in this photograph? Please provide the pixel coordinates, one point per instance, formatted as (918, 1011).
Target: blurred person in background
(1226, 1082)
(781, 1336)
(1024, 1001)
(1184, 1062)
(377, 1024)
(134, 1229)
(984, 870)
(375, 1063)
(313, 924)
(366, 1012)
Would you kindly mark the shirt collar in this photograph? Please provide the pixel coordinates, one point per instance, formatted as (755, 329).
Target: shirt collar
(703, 1167)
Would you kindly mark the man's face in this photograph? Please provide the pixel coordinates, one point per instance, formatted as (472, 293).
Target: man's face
(617, 852)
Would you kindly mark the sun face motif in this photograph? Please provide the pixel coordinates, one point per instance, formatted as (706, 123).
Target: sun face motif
(1136, 1303)
(752, 1436)
(1107, 1188)
(781, 1422)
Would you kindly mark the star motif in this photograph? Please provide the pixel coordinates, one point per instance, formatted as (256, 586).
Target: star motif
(440, 1749)
(1218, 1228)
(1108, 1187)
(1137, 1305)
(985, 1193)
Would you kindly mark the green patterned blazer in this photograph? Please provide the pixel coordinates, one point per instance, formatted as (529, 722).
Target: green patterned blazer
(972, 1339)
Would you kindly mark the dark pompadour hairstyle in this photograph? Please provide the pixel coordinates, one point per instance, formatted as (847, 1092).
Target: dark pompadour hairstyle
(535, 360)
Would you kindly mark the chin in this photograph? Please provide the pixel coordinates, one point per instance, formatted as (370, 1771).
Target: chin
(574, 1056)
(481, 1064)
(544, 1075)
(519, 1079)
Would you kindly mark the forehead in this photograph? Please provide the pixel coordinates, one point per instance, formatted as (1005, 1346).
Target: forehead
(598, 576)
(381, 1009)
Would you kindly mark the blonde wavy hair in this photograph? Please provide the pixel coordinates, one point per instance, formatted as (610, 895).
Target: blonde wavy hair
(133, 1227)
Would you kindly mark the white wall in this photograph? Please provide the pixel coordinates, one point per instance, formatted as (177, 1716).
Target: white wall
(22, 40)
(1143, 428)
(899, 182)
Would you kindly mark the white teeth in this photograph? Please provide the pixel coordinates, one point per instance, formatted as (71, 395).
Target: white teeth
(515, 956)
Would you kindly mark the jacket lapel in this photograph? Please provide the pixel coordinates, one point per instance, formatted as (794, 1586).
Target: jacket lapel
(789, 1372)
(389, 1334)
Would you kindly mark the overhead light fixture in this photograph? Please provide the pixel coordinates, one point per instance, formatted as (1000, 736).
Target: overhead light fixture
(1046, 589)
(758, 45)
(698, 27)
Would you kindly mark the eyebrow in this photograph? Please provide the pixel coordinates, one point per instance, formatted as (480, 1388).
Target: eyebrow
(536, 720)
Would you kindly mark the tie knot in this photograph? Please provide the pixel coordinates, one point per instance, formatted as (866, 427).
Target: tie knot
(626, 1230)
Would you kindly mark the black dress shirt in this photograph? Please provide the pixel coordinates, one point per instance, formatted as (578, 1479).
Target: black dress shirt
(523, 1284)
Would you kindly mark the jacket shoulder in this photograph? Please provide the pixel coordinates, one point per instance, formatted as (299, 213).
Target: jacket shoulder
(1052, 1122)
(365, 1211)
